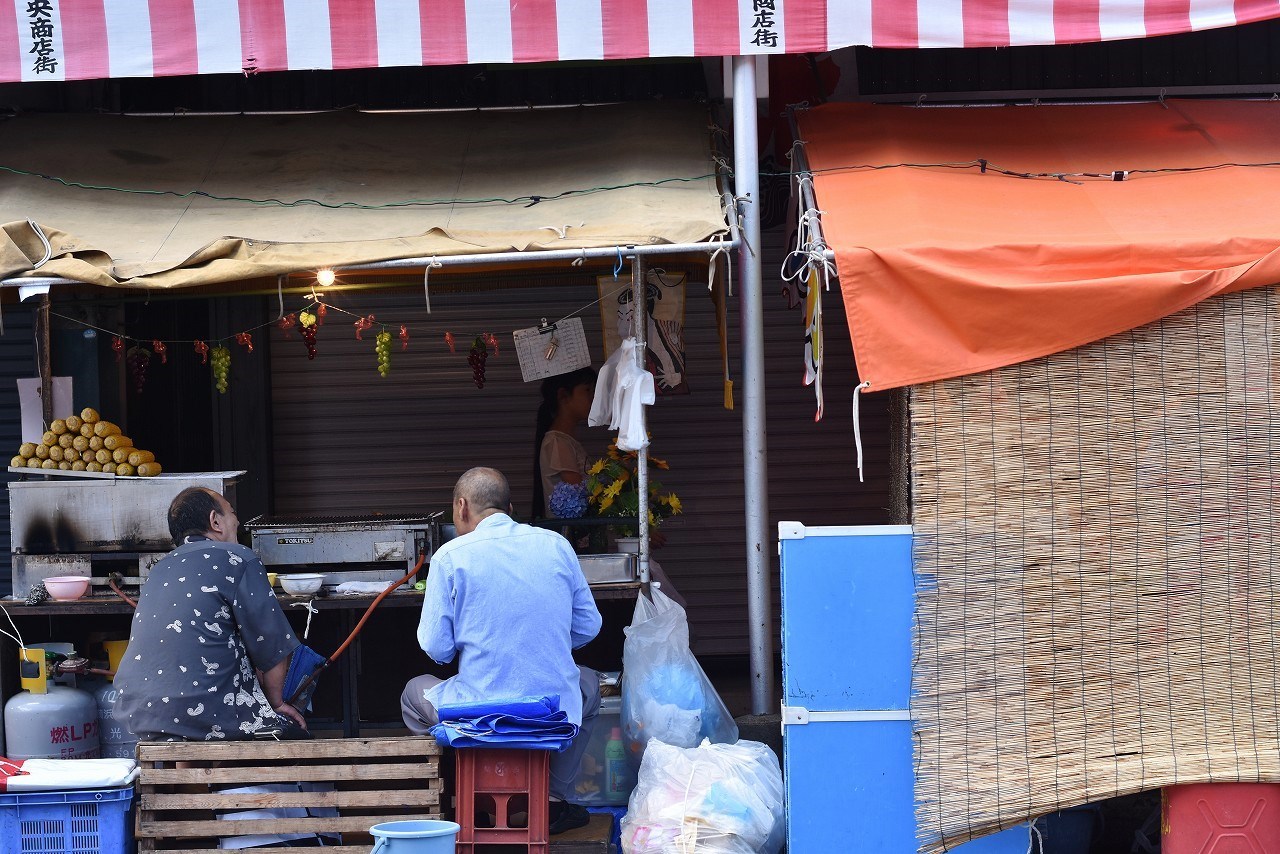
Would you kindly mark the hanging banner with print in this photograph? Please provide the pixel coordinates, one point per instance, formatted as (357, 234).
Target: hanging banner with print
(664, 356)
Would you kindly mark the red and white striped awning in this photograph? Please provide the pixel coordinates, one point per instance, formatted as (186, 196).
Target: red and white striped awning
(86, 39)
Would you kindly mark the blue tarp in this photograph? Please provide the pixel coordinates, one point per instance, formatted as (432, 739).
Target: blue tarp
(305, 661)
(525, 723)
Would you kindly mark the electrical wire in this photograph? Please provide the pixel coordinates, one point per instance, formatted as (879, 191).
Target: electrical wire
(527, 200)
(18, 640)
(314, 303)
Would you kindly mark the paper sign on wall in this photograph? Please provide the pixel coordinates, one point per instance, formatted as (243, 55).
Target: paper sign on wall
(548, 350)
(33, 425)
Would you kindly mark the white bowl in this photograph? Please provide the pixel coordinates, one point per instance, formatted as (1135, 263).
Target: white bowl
(301, 583)
(67, 588)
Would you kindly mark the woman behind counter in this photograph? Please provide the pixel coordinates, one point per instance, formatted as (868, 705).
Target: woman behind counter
(558, 456)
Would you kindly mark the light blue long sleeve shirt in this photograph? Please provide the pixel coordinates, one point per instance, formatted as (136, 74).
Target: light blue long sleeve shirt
(511, 602)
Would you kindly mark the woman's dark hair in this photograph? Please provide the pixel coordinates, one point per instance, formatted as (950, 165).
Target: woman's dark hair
(189, 513)
(547, 409)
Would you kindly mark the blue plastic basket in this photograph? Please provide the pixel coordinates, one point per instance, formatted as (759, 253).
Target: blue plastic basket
(84, 821)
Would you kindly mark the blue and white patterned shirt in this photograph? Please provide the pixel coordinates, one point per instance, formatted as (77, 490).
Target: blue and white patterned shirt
(205, 621)
(511, 602)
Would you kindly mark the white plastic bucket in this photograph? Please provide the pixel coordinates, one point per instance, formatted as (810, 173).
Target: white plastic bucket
(423, 836)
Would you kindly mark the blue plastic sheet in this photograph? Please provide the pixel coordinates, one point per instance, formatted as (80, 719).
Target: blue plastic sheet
(304, 662)
(525, 723)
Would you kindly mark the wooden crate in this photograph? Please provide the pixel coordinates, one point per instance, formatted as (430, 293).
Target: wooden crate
(374, 780)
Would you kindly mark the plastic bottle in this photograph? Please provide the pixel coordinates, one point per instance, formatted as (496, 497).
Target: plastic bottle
(617, 772)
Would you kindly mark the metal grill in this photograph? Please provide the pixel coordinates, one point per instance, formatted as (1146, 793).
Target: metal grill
(316, 522)
(361, 547)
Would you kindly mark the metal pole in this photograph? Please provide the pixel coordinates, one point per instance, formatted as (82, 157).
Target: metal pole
(746, 171)
(640, 326)
(45, 359)
(513, 259)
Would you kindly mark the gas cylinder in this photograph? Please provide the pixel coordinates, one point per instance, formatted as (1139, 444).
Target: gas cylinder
(116, 739)
(59, 724)
(47, 721)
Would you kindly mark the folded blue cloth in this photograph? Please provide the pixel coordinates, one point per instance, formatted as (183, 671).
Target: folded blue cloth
(525, 723)
(304, 662)
(524, 707)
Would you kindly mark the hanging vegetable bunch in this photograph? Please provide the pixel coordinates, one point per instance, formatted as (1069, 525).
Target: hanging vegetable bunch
(383, 349)
(138, 358)
(481, 346)
(220, 361)
(309, 322)
(476, 358)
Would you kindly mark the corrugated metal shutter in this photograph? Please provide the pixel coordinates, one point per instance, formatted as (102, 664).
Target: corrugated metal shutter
(17, 359)
(347, 441)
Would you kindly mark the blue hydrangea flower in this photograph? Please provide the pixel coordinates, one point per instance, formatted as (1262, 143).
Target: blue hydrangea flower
(568, 501)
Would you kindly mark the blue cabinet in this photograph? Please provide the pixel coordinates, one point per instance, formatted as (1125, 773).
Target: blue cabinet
(847, 602)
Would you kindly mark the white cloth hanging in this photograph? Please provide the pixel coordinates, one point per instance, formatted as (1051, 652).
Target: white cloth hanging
(623, 388)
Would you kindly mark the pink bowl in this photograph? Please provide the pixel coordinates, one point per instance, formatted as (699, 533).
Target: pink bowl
(67, 588)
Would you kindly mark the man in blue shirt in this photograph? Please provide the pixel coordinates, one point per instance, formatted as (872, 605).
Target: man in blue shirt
(511, 603)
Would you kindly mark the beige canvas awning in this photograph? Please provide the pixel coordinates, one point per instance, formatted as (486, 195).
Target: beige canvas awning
(197, 200)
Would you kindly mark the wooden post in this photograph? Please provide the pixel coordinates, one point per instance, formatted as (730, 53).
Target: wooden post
(45, 363)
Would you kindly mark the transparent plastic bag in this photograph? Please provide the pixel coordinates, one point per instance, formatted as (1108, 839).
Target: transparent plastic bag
(710, 799)
(665, 693)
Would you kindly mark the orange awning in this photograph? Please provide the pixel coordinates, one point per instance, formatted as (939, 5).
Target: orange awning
(949, 270)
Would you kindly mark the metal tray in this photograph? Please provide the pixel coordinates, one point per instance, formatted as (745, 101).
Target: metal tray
(608, 569)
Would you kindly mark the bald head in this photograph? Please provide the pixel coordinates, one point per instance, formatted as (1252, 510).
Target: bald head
(480, 492)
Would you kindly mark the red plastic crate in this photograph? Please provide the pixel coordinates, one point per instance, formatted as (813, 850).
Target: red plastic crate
(1222, 818)
(502, 783)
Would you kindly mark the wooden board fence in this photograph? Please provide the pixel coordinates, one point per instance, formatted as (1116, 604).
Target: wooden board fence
(183, 788)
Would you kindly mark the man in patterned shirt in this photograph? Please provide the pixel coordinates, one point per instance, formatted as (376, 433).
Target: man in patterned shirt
(209, 647)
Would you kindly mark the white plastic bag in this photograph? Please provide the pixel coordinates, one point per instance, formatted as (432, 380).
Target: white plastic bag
(710, 799)
(665, 693)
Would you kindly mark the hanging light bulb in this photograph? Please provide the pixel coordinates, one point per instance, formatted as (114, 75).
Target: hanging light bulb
(325, 278)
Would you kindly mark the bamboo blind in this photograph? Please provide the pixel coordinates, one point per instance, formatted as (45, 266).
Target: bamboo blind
(1096, 548)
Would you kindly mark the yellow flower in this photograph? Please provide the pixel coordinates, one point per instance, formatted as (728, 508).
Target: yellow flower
(611, 491)
(674, 500)
(595, 493)
(606, 501)
(597, 468)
